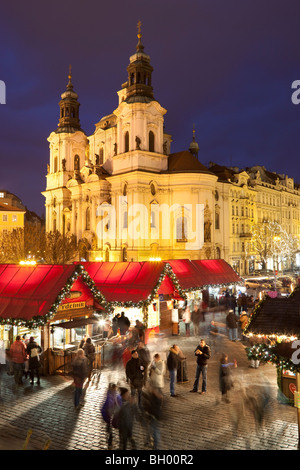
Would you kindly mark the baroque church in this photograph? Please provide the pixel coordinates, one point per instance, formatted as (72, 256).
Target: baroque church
(121, 190)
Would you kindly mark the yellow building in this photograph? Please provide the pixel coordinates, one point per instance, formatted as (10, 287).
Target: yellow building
(11, 218)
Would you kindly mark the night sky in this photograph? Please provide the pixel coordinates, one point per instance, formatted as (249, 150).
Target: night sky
(225, 67)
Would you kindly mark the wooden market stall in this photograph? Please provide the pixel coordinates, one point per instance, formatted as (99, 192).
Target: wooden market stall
(274, 330)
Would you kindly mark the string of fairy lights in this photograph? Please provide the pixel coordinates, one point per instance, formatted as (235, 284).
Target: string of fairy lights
(40, 321)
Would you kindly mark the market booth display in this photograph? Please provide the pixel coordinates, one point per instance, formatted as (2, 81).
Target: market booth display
(31, 303)
(140, 289)
(60, 304)
(274, 330)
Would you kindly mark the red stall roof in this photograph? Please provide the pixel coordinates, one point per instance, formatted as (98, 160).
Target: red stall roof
(30, 291)
(194, 274)
(129, 281)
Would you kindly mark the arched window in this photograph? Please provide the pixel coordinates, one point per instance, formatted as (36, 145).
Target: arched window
(126, 141)
(101, 156)
(218, 253)
(55, 165)
(217, 220)
(151, 141)
(77, 162)
(124, 254)
(181, 229)
(88, 219)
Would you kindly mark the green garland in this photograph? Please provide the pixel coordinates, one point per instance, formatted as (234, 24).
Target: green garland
(266, 354)
(109, 306)
(40, 321)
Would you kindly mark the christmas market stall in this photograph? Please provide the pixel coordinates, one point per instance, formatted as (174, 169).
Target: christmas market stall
(273, 330)
(33, 301)
(145, 291)
(203, 281)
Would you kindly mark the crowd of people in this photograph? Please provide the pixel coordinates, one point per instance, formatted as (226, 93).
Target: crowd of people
(24, 356)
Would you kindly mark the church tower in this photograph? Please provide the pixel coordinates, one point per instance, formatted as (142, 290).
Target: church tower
(68, 145)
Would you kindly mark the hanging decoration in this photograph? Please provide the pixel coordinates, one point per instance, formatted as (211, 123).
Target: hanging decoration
(109, 306)
(266, 353)
(39, 321)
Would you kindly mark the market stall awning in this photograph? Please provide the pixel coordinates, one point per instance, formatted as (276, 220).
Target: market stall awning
(30, 291)
(132, 282)
(276, 317)
(193, 274)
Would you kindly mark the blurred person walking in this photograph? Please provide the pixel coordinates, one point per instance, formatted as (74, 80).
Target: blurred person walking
(125, 419)
(186, 317)
(33, 350)
(79, 373)
(109, 409)
(243, 320)
(172, 365)
(145, 359)
(232, 325)
(156, 373)
(152, 407)
(89, 351)
(135, 375)
(18, 356)
(225, 376)
(202, 352)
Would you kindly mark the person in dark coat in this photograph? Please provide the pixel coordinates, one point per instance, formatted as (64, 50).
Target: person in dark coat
(152, 407)
(232, 325)
(145, 359)
(33, 351)
(110, 407)
(202, 352)
(135, 374)
(79, 373)
(125, 419)
(124, 324)
(225, 376)
(172, 365)
(89, 351)
(115, 324)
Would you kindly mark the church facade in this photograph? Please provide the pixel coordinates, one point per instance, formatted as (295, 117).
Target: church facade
(122, 192)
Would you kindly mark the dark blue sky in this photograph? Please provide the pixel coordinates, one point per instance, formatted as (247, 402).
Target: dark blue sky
(224, 66)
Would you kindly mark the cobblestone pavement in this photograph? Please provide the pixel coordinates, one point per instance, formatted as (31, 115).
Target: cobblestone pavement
(191, 421)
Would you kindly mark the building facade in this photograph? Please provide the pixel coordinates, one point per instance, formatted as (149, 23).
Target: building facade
(121, 191)
(126, 196)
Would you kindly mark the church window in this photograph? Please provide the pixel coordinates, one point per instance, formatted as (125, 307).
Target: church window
(77, 162)
(101, 156)
(152, 189)
(125, 219)
(124, 254)
(218, 253)
(55, 165)
(54, 224)
(132, 79)
(151, 141)
(138, 77)
(126, 141)
(181, 228)
(217, 220)
(4, 218)
(88, 219)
